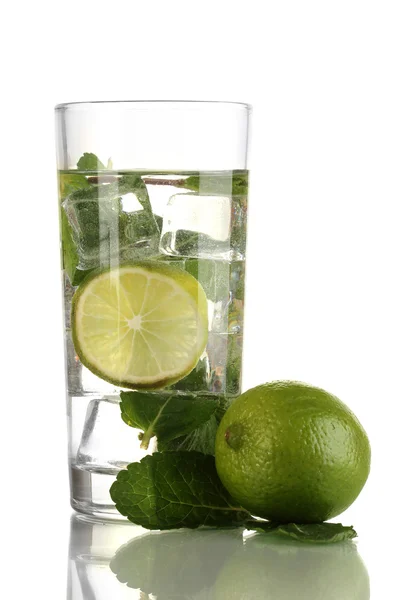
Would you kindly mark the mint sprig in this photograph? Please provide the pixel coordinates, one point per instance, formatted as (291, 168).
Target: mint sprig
(166, 416)
(171, 490)
(175, 489)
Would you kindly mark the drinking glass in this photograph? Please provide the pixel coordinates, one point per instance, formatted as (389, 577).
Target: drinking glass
(153, 208)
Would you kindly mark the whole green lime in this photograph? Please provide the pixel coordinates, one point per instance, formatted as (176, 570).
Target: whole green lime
(290, 452)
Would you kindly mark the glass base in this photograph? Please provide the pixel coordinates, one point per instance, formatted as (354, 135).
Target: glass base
(90, 493)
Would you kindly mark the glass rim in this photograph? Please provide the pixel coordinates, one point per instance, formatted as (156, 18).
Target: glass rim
(155, 103)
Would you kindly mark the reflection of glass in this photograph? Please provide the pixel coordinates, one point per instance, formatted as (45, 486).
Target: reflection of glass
(118, 561)
(92, 546)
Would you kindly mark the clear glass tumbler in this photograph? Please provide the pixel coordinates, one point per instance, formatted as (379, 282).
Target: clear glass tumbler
(153, 207)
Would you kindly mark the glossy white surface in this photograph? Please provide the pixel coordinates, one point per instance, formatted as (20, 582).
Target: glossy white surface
(117, 561)
(323, 292)
(84, 559)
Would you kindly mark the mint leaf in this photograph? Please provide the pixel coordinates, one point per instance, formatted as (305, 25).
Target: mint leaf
(201, 439)
(175, 489)
(318, 533)
(79, 275)
(165, 415)
(89, 162)
(262, 526)
(194, 557)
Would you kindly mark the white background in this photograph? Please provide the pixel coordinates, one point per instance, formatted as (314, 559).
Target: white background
(323, 257)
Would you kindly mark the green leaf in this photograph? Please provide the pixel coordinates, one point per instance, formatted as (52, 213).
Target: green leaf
(318, 533)
(170, 490)
(79, 275)
(167, 416)
(201, 439)
(261, 526)
(89, 162)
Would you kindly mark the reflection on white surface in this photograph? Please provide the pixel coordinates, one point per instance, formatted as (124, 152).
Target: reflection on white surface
(118, 561)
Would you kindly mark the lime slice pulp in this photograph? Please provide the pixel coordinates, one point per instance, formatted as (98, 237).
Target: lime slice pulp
(140, 325)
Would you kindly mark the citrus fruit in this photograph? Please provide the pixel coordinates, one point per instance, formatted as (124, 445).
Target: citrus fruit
(140, 325)
(292, 453)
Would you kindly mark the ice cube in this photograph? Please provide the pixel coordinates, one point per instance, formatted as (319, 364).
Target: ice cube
(112, 222)
(106, 442)
(197, 226)
(93, 215)
(139, 235)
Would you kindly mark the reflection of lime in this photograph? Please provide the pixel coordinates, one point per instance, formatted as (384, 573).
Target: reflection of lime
(273, 569)
(289, 452)
(140, 325)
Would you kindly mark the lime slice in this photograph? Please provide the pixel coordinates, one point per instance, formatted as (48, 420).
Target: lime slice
(140, 325)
